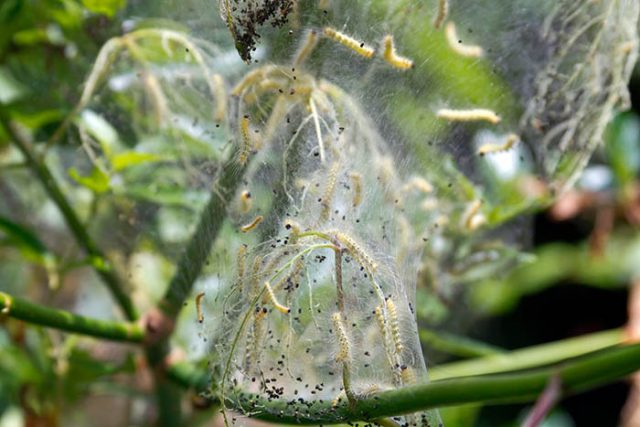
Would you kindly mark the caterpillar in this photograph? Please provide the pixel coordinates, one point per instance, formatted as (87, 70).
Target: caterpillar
(394, 325)
(294, 228)
(418, 183)
(253, 224)
(471, 51)
(327, 196)
(510, 141)
(471, 219)
(441, 15)
(391, 56)
(306, 48)
(357, 252)
(246, 140)
(356, 181)
(220, 112)
(344, 346)
(242, 255)
(245, 201)
(407, 374)
(272, 298)
(200, 315)
(358, 47)
(474, 114)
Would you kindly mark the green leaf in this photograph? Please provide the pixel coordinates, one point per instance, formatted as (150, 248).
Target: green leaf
(100, 129)
(623, 146)
(104, 7)
(127, 159)
(97, 181)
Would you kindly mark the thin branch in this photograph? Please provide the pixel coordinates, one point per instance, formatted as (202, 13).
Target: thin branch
(576, 375)
(46, 178)
(21, 309)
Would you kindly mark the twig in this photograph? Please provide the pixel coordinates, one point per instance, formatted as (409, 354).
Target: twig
(21, 309)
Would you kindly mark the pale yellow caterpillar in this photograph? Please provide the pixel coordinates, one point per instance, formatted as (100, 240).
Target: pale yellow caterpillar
(246, 140)
(220, 113)
(199, 307)
(252, 78)
(245, 201)
(391, 56)
(510, 141)
(441, 15)
(356, 181)
(344, 346)
(294, 228)
(358, 47)
(242, 257)
(357, 252)
(408, 375)
(303, 52)
(472, 219)
(253, 224)
(327, 196)
(272, 298)
(394, 324)
(471, 51)
(418, 183)
(472, 115)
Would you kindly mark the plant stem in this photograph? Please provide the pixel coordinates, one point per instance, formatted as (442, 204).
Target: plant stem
(576, 375)
(457, 345)
(19, 308)
(529, 357)
(211, 219)
(44, 175)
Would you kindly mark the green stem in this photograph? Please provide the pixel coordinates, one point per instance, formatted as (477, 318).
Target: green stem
(211, 220)
(530, 357)
(100, 262)
(457, 345)
(19, 308)
(576, 375)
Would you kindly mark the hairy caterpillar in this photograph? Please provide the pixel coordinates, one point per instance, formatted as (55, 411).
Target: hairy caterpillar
(220, 113)
(357, 252)
(510, 141)
(358, 47)
(391, 56)
(472, 219)
(253, 224)
(327, 196)
(418, 183)
(272, 298)
(471, 51)
(441, 15)
(394, 325)
(199, 307)
(356, 181)
(242, 255)
(306, 48)
(344, 346)
(245, 201)
(246, 140)
(475, 114)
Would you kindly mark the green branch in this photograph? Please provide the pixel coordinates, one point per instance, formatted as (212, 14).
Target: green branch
(19, 308)
(577, 375)
(46, 178)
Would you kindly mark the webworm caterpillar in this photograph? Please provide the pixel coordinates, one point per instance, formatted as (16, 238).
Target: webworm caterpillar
(394, 325)
(242, 257)
(357, 252)
(471, 219)
(472, 115)
(408, 375)
(252, 78)
(245, 201)
(272, 298)
(344, 346)
(294, 228)
(358, 47)
(246, 140)
(253, 224)
(310, 42)
(199, 307)
(391, 56)
(418, 183)
(356, 181)
(510, 141)
(471, 51)
(220, 91)
(441, 15)
(327, 196)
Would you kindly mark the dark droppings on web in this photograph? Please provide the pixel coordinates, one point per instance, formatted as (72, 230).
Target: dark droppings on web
(244, 17)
